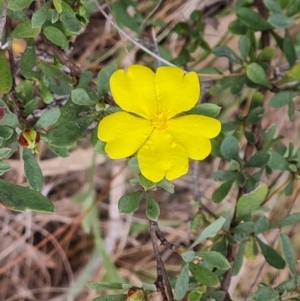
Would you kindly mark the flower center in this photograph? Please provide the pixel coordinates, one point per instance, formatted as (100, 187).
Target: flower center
(159, 120)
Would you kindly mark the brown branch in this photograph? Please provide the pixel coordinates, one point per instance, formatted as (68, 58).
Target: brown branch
(74, 69)
(162, 282)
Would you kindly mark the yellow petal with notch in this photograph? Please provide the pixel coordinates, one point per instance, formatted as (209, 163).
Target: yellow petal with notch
(176, 92)
(134, 90)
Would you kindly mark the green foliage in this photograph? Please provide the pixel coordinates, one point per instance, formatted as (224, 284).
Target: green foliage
(5, 74)
(182, 282)
(130, 202)
(247, 203)
(20, 198)
(152, 208)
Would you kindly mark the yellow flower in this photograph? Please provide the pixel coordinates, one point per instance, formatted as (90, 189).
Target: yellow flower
(152, 123)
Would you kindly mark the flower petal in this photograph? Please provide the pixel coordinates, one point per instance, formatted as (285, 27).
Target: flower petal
(194, 132)
(123, 133)
(134, 90)
(175, 91)
(161, 156)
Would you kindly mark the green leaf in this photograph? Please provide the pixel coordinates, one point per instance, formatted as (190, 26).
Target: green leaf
(212, 229)
(30, 107)
(255, 115)
(203, 275)
(134, 165)
(293, 8)
(266, 54)
(215, 259)
(288, 220)
(261, 224)
(28, 60)
(32, 170)
(221, 192)
(244, 45)
(288, 285)
(188, 256)
(121, 297)
(4, 167)
(289, 189)
(289, 49)
(207, 109)
(238, 84)
(48, 118)
(152, 208)
(258, 75)
(99, 147)
(149, 287)
(268, 136)
(6, 132)
(271, 256)
(238, 261)
(119, 10)
(251, 201)
(277, 161)
(273, 6)
(19, 198)
(182, 282)
(5, 74)
(99, 286)
(103, 79)
(130, 202)
(292, 75)
(265, 293)
(59, 151)
(39, 16)
(57, 5)
(5, 152)
(24, 30)
(224, 175)
(252, 19)
(227, 215)
(230, 148)
(45, 93)
(55, 79)
(282, 98)
(80, 97)
(69, 20)
(225, 51)
(56, 36)
(259, 159)
(288, 253)
(17, 5)
(71, 131)
(166, 185)
(237, 27)
(216, 295)
(10, 119)
(280, 20)
(145, 183)
(245, 228)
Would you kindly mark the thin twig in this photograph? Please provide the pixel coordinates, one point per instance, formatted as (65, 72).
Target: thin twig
(74, 69)
(162, 282)
(3, 19)
(123, 33)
